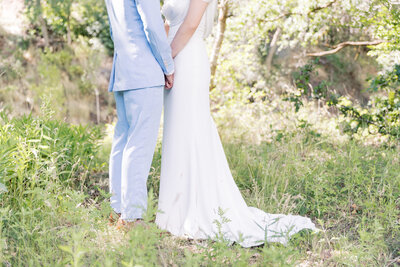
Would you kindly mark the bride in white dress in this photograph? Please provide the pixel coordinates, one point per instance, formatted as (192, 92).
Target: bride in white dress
(196, 182)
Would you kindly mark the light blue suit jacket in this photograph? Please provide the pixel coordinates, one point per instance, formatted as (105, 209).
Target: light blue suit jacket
(142, 54)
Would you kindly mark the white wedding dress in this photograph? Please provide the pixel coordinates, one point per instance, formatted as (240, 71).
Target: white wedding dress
(196, 182)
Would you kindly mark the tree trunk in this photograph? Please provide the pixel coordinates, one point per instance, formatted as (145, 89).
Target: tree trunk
(65, 102)
(96, 92)
(43, 25)
(69, 34)
(69, 38)
(222, 17)
(272, 49)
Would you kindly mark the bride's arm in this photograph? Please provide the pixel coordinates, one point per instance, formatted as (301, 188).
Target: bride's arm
(189, 25)
(166, 26)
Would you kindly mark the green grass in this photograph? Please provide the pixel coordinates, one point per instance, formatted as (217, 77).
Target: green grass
(55, 211)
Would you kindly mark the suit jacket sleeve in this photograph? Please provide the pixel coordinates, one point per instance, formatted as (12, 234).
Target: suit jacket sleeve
(150, 14)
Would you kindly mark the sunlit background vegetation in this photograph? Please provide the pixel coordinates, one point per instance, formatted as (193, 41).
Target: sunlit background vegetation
(306, 96)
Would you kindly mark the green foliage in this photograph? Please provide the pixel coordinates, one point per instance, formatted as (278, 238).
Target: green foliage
(76, 252)
(37, 150)
(43, 164)
(54, 65)
(388, 27)
(94, 23)
(381, 116)
(68, 20)
(383, 113)
(305, 25)
(53, 221)
(53, 175)
(388, 82)
(302, 80)
(58, 13)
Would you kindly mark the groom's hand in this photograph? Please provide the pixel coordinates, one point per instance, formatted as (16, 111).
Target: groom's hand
(169, 81)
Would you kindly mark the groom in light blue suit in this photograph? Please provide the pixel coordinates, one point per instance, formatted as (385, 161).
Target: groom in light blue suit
(142, 67)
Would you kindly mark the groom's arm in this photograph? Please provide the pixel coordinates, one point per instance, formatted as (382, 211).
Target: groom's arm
(150, 14)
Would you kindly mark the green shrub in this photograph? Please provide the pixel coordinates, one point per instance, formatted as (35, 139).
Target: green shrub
(380, 116)
(36, 150)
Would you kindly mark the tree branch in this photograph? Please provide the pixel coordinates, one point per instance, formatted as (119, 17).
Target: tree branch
(317, 8)
(340, 46)
(222, 17)
(312, 10)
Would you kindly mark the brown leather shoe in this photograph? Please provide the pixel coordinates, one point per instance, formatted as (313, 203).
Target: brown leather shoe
(124, 225)
(112, 219)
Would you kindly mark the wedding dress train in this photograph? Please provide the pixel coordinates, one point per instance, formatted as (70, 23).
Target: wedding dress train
(198, 195)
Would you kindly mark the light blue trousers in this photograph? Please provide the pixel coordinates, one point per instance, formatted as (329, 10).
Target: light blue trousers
(134, 141)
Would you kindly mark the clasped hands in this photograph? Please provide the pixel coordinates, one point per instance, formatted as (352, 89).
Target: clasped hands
(169, 81)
